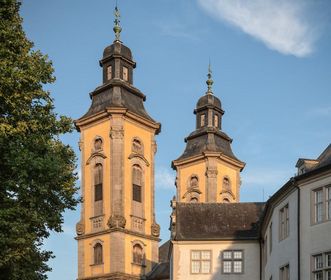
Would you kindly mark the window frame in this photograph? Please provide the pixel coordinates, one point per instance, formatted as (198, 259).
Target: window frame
(285, 268)
(325, 263)
(200, 260)
(109, 72)
(324, 205)
(233, 260)
(284, 222)
(96, 259)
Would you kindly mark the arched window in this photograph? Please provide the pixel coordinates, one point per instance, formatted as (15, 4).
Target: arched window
(98, 195)
(97, 253)
(138, 255)
(194, 182)
(226, 184)
(137, 146)
(137, 183)
(226, 200)
(194, 200)
(97, 144)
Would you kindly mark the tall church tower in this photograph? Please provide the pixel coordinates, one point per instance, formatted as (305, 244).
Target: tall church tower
(208, 171)
(117, 233)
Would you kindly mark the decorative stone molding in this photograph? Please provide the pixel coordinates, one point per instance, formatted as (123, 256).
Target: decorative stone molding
(211, 172)
(137, 146)
(155, 229)
(80, 228)
(141, 157)
(116, 221)
(116, 132)
(95, 155)
(137, 224)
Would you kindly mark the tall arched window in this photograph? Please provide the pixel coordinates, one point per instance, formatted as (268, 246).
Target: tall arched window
(97, 253)
(137, 183)
(98, 195)
(137, 254)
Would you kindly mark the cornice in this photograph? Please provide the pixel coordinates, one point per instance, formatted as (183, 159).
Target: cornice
(126, 231)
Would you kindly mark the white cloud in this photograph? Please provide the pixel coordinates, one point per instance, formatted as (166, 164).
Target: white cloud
(280, 24)
(164, 178)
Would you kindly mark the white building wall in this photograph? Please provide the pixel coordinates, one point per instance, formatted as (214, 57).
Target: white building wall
(315, 238)
(283, 251)
(181, 258)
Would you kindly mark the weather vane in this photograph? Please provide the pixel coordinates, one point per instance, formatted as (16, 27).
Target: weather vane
(209, 82)
(117, 28)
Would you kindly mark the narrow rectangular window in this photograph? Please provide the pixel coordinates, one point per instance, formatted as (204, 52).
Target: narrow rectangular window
(202, 120)
(125, 73)
(328, 203)
(270, 238)
(109, 72)
(284, 222)
(136, 193)
(318, 205)
(98, 192)
(216, 120)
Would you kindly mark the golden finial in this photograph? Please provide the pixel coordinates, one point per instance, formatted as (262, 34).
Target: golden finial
(209, 82)
(117, 28)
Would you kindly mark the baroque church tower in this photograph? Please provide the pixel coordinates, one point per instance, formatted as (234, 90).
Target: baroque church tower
(117, 233)
(208, 171)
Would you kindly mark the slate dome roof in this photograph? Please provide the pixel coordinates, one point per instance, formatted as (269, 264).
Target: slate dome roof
(117, 48)
(209, 99)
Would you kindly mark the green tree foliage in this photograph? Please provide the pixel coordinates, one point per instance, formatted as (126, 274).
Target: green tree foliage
(37, 178)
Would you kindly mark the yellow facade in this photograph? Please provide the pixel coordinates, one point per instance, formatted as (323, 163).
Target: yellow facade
(131, 128)
(198, 167)
(117, 233)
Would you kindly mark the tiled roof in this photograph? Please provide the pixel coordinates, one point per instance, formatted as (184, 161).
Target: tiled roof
(217, 221)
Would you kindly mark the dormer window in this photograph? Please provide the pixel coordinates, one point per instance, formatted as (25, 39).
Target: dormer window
(109, 72)
(125, 73)
(202, 120)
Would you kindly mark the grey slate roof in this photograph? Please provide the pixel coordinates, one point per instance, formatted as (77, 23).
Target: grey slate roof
(160, 272)
(218, 221)
(208, 139)
(324, 158)
(127, 97)
(164, 251)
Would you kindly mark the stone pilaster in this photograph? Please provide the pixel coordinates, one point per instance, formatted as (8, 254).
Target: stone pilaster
(117, 158)
(117, 251)
(211, 185)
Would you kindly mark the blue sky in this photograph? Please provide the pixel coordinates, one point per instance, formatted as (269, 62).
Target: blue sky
(271, 65)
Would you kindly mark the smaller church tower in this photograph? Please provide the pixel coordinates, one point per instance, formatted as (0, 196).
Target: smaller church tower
(117, 233)
(208, 171)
